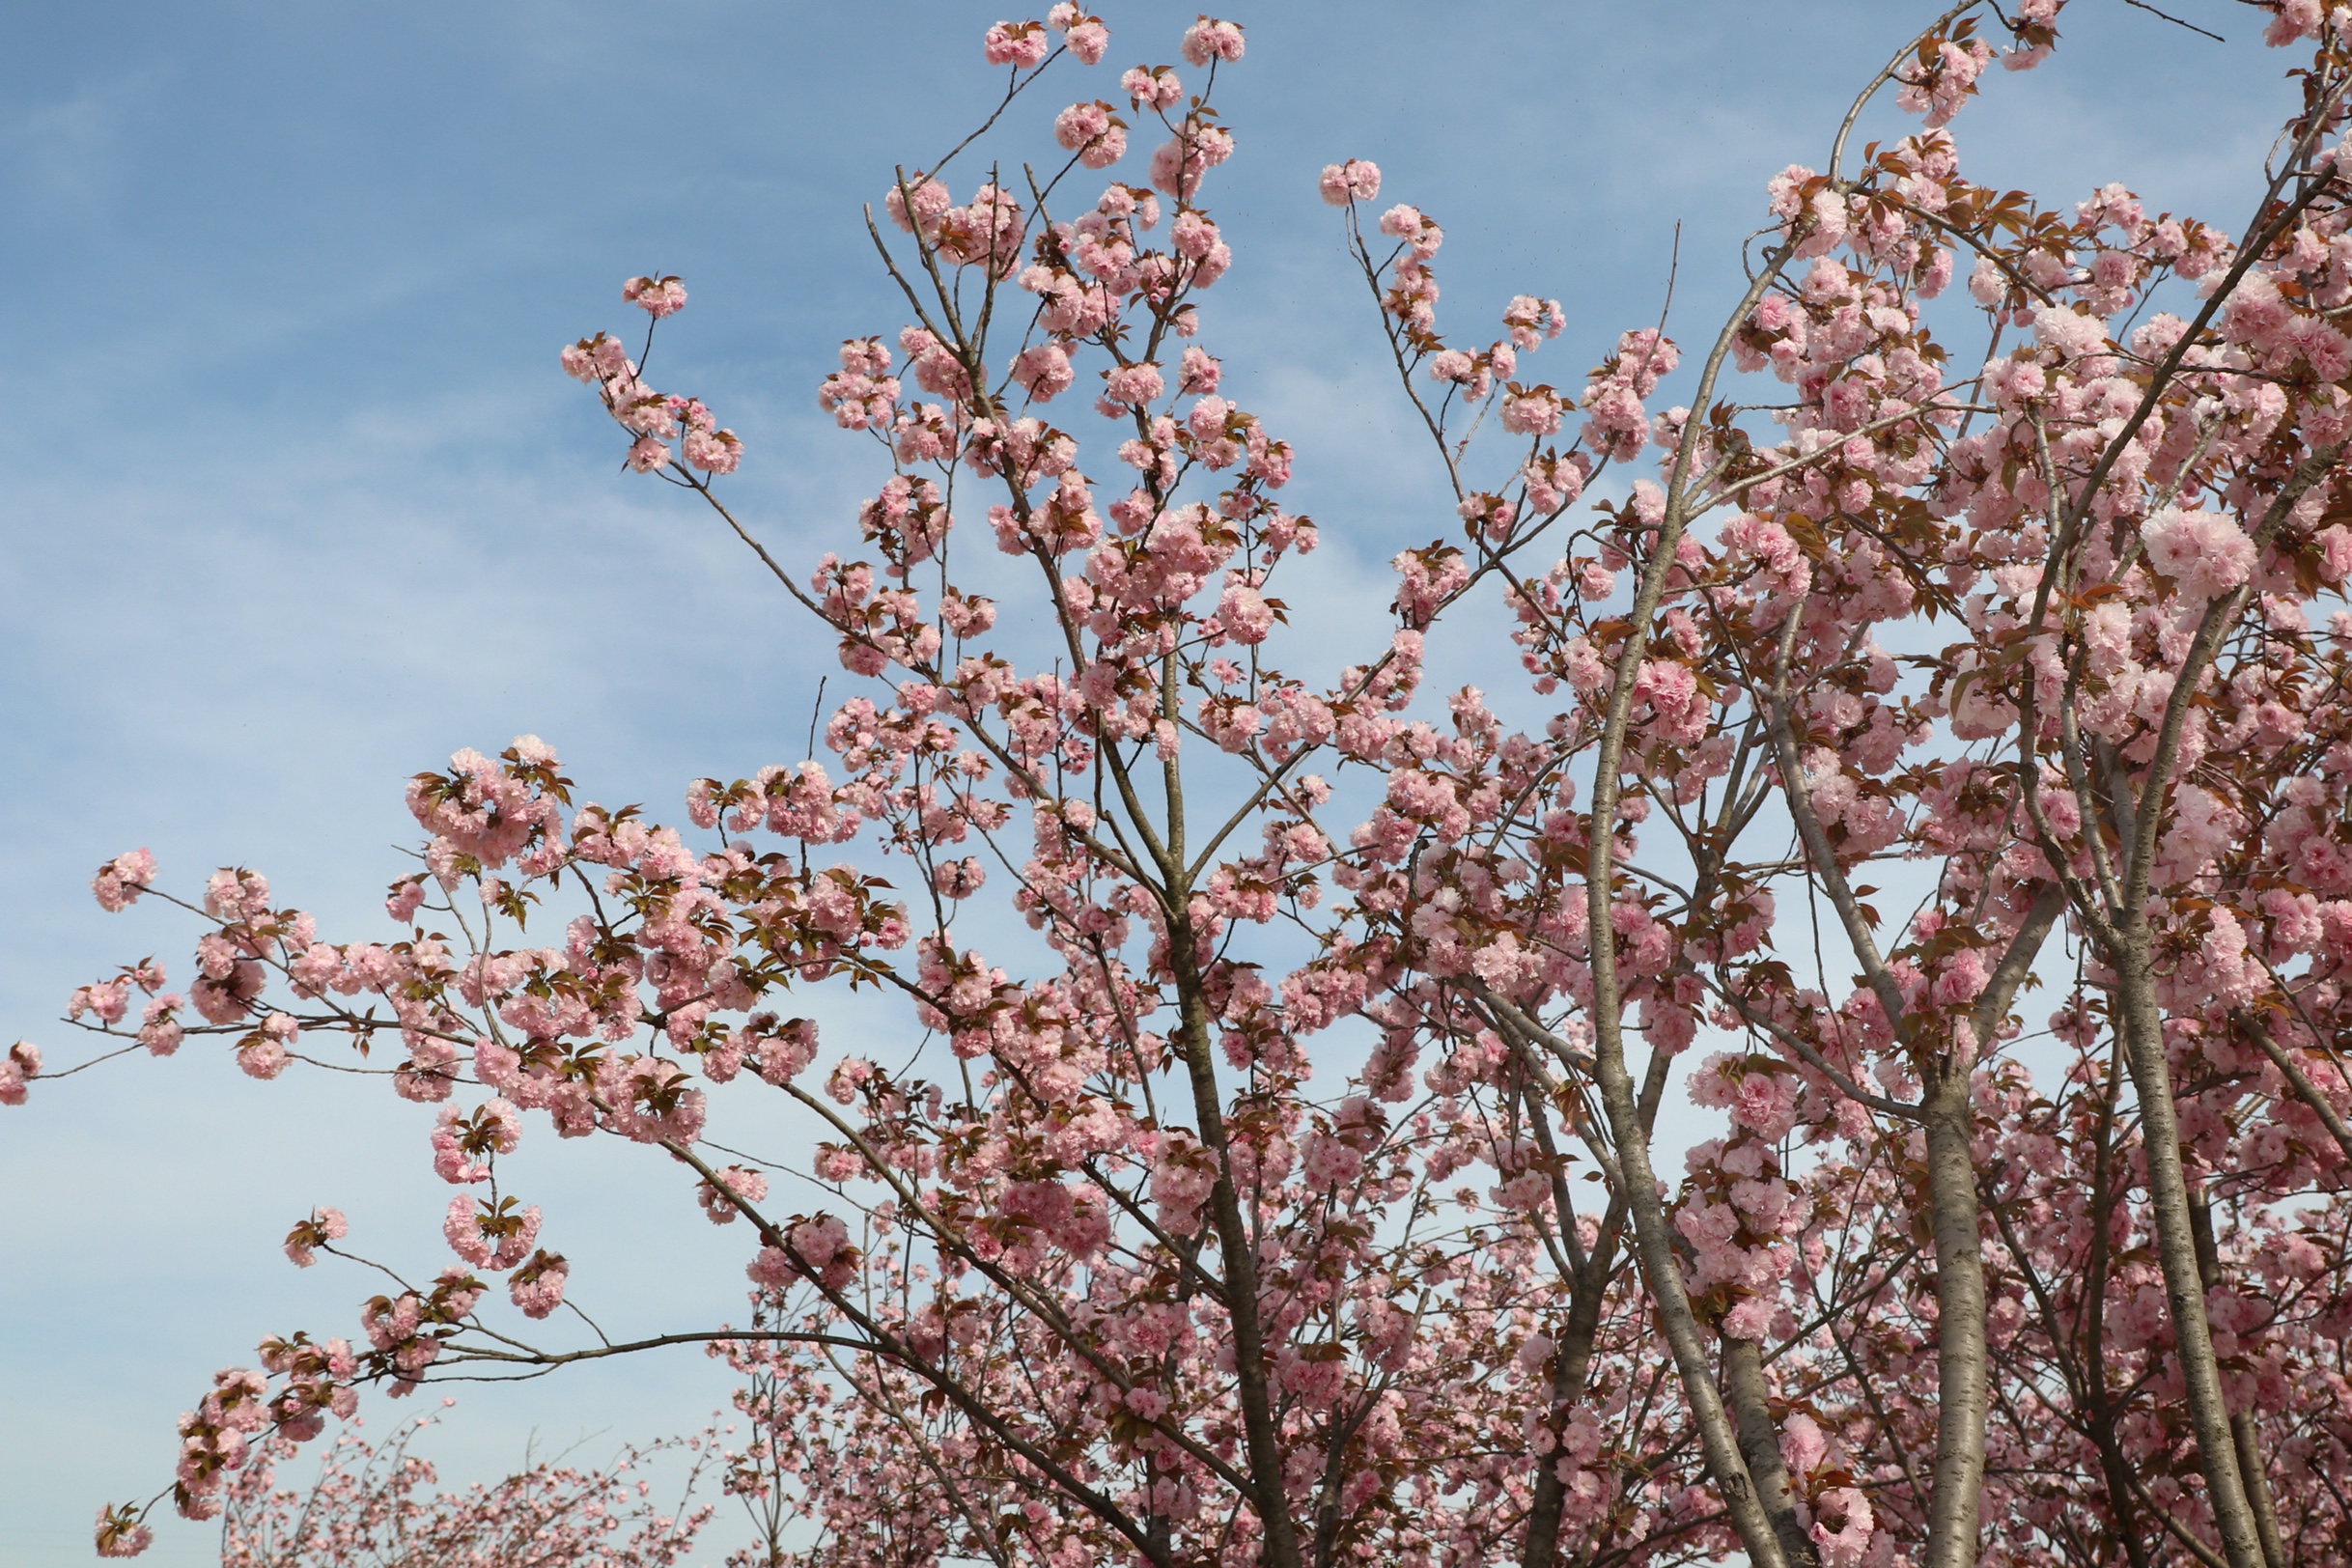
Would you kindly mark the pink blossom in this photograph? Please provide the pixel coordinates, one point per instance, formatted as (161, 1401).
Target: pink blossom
(1987, 284)
(959, 878)
(1093, 132)
(1408, 223)
(1199, 373)
(655, 296)
(323, 1227)
(1044, 371)
(2071, 334)
(1843, 1524)
(159, 1030)
(120, 1534)
(264, 1054)
(1244, 612)
(537, 1286)
(1531, 321)
(1149, 89)
(744, 1183)
(1803, 1445)
(918, 204)
(404, 898)
(1083, 34)
(715, 452)
(1749, 1319)
(599, 358)
(1022, 46)
(1132, 384)
(1937, 89)
(2295, 20)
(1358, 179)
(1179, 164)
(2206, 553)
(1532, 411)
(17, 1068)
(121, 880)
(1209, 39)
(1049, 1210)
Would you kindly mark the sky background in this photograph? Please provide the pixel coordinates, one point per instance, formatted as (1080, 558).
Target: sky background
(295, 502)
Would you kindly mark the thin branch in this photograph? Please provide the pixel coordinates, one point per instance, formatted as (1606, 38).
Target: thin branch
(2143, 5)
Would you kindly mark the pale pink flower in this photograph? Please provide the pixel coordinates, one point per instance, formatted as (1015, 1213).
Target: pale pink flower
(1533, 411)
(1022, 46)
(537, 1286)
(1987, 284)
(17, 1068)
(744, 1182)
(264, 1054)
(1803, 1445)
(959, 878)
(2204, 553)
(159, 1030)
(1092, 130)
(1083, 34)
(1529, 319)
(1148, 89)
(715, 452)
(262, 1060)
(1132, 384)
(1209, 39)
(929, 199)
(1199, 373)
(1414, 227)
(1179, 163)
(120, 1534)
(1245, 614)
(407, 894)
(1750, 1318)
(1843, 1526)
(121, 880)
(2070, 333)
(1358, 179)
(323, 1227)
(655, 296)
(1044, 371)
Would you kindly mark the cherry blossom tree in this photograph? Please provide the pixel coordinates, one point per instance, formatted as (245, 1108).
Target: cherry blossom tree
(1265, 1165)
(366, 1508)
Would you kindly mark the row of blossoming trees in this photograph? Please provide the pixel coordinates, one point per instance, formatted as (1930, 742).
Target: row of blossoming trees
(1281, 1188)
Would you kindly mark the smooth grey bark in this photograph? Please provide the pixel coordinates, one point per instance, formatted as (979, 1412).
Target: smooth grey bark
(1237, 1249)
(2129, 941)
(2244, 1439)
(1954, 1526)
(1571, 1364)
(2184, 1280)
(1961, 1398)
(1661, 1271)
(1955, 1498)
(2120, 928)
(1751, 1399)
(2113, 1468)
(1572, 1357)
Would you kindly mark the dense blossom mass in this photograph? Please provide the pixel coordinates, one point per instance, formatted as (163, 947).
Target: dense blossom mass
(1251, 1157)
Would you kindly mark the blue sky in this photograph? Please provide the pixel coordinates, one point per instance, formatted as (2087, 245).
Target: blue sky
(295, 501)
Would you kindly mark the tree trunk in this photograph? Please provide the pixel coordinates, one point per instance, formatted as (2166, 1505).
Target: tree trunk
(2176, 1249)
